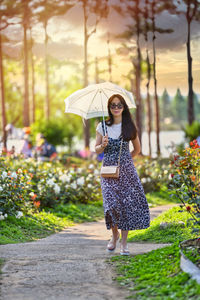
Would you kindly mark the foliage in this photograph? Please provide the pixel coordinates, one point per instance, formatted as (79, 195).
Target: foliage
(185, 183)
(161, 197)
(39, 225)
(14, 190)
(59, 131)
(192, 131)
(176, 229)
(41, 184)
(179, 107)
(155, 275)
(153, 173)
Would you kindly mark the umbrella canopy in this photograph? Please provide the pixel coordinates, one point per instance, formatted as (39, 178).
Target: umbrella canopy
(91, 102)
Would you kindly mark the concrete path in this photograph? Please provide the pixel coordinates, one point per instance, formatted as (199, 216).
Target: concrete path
(65, 266)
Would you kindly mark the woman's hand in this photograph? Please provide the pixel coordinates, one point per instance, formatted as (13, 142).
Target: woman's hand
(105, 141)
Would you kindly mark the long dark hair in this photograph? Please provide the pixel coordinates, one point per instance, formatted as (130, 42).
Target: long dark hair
(129, 130)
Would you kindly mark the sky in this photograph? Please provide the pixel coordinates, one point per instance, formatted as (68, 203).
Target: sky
(67, 39)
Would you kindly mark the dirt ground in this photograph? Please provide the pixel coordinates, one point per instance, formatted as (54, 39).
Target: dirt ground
(68, 265)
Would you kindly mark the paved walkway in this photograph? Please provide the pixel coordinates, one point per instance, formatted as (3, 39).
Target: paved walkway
(65, 266)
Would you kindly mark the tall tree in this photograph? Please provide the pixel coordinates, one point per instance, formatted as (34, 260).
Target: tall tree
(3, 110)
(165, 105)
(156, 8)
(99, 9)
(191, 13)
(132, 8)
(26, 13)
(7, 10)
(146, 31)
(49, 9)
(179, 107)
(33, 108)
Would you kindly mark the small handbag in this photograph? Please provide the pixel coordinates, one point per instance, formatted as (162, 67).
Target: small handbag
(111, 171)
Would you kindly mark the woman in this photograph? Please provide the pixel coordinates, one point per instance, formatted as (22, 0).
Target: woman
(124, 201)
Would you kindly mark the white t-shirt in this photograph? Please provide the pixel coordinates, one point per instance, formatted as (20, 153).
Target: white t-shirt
(114, 131)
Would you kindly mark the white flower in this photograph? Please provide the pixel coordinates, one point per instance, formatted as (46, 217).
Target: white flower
(56, 189)
(96, 172)
(14, 175)
(89, 186)
(165, 172)
(4, 174)
(64, 178)
(50, 182)
(19, 214)
(91, 166)
(2, 217)
(74, 185)
(31, 194)
(19, 171)
(80, 181)
(143, 180)
(1, 213)
(5, 215)
(79, 170)
(1, 189)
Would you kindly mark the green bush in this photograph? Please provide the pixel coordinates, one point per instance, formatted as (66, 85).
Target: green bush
(192, 131)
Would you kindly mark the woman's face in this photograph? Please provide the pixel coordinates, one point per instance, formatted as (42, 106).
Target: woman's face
(116, 107)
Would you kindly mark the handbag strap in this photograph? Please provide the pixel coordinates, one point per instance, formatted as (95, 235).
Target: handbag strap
(118, 164)
(120, 151)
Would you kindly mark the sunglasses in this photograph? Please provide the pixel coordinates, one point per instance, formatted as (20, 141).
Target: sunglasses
(119, 106)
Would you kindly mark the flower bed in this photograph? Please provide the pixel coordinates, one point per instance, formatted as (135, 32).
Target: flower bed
(185, 183)
(37, 185)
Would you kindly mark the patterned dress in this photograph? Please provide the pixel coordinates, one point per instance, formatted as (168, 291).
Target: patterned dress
(124, 201)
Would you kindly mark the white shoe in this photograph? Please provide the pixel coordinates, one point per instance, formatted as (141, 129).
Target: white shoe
(124, 251)
(111, 246)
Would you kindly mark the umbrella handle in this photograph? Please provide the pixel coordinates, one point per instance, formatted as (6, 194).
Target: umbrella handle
(104, 124)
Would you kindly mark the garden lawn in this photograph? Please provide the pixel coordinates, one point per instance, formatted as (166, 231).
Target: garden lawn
(177, 231)
(40, 225)
(161, 197)
(157, 274)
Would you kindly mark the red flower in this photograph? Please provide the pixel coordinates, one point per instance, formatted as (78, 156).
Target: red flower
(172, 175)
(36, 204)
(188, 208)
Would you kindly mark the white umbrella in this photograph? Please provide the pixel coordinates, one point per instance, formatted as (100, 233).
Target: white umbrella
(91, 102)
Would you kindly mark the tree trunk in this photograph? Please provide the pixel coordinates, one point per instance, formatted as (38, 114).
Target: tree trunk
(190, 80)
(138, 79)
(109, 59)
(33, 84)
(3, 110)
(148, 103)
(87, 123)
(26, 79)
(156, 104)
(47, 102)
(146, 15)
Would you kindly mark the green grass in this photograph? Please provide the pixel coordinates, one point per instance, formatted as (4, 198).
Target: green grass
(171, 234)
(79, 213)
(155, 275)
(161, 197)
(44, 223)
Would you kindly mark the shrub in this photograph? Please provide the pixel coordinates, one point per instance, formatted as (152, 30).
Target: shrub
(185, 183)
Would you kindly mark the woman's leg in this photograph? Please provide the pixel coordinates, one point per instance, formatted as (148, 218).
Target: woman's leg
(124, 238)
(115, 237)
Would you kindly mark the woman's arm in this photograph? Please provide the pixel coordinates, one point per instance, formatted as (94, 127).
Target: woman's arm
(101, 142)
(137, 147)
